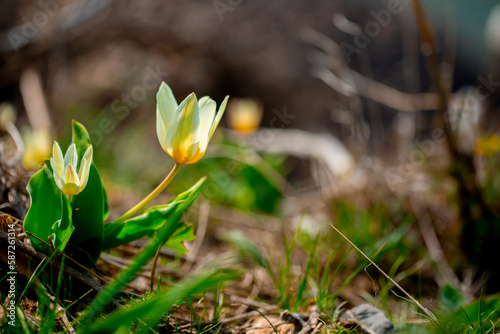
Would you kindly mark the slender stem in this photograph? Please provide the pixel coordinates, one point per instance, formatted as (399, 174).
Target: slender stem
(153, 268)
(132, 212)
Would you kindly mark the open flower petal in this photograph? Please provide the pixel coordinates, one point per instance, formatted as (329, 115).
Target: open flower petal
(71, 157)
(185, 135)
(83, 173)
(166, 105)
(222, 108)
(57, 161)
(71, 181)
(207, 114)
(64, 170)
(204, 100)
(57, 176)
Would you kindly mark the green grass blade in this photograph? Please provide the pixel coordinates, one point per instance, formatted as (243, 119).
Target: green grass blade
(159, 304)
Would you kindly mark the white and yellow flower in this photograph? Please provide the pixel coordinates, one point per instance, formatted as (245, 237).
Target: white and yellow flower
(184, 130)
(64, 169)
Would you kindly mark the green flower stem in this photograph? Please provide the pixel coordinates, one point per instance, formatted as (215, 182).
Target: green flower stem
(141, 205)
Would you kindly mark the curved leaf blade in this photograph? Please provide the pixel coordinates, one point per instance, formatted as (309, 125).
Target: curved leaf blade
(149, 222)
(45, 211)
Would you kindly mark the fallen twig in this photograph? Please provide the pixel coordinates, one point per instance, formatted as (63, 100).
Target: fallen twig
(410, 297)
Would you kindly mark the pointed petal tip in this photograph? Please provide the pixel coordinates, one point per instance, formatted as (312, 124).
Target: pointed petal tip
(224, 103)
(164, 89)
(89, 151)
(57, 158)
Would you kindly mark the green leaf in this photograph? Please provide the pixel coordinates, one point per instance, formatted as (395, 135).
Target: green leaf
(45, 209)
(106, 203)
(80, 137)
(63, 228)
(116, 234)
(88, 216)
(90, 206)
(176, 242)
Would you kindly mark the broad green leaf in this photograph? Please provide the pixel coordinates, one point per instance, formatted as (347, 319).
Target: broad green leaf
(88, 216)
(116, 234)
(106, 203)
(80, 137)
(90, 206)
(45, 209)
(63, 228)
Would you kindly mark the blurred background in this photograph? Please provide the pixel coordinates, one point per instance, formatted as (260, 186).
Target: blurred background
(332, 116)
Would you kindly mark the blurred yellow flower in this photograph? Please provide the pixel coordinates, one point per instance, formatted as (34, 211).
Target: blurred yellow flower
(64, 170)
(488, 146)
(37, 145)
(7, 114)
(244, 116)
(184, 130)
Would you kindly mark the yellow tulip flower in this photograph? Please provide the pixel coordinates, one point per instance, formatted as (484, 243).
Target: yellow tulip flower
(64, 170)
(184, 130)
(36, 148)
(244, 116)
